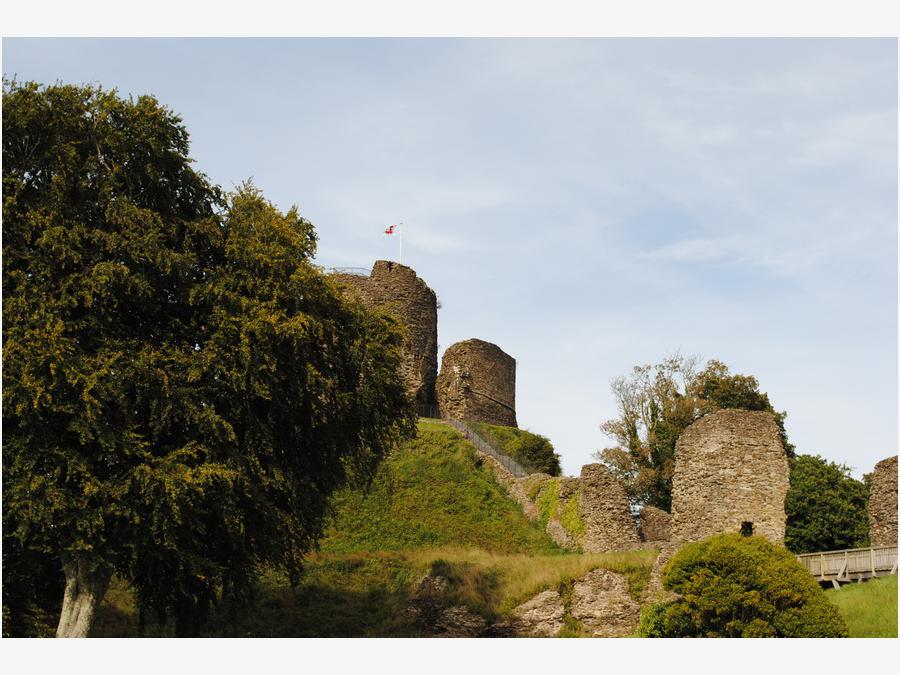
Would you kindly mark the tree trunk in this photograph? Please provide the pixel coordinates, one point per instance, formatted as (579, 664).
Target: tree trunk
(85, 588)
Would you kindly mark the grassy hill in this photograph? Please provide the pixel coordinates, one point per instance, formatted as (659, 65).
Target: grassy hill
(431, 508)
(870, 608)
(433, 492)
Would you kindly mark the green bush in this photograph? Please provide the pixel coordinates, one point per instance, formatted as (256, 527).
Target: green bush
(734, 586)
(532, 451)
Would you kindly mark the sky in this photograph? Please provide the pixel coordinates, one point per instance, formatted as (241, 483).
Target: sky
(586, 204)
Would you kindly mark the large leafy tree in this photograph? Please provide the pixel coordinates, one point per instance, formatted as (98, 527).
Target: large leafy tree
(655, 404)
(826, 507)
(182, 389)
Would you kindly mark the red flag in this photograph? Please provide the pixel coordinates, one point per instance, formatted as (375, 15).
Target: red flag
(390, 230)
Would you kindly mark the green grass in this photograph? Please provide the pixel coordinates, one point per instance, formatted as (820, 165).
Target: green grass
(532, 451)
(432, 492)
(432, 508)
(869, 608)
(364, 594)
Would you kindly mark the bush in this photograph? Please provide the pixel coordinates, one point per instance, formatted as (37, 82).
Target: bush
(532, 451)
(734, 586)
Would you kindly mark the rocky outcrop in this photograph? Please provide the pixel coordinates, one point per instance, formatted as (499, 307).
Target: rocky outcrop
(883, 503)
(427, 609)
(600, 601)
(731, 475)
(542, 616)
(656, 524)
(605, 511)
(477, 383)
(399, 290)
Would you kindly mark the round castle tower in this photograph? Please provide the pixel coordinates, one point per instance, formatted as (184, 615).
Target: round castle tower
(478, 383)
(398, 289)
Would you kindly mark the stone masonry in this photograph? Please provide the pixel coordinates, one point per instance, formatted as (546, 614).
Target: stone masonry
(478, 383)
(731, 472)
(605, 511)
(656, 524)
(398, 289)
(883, 503)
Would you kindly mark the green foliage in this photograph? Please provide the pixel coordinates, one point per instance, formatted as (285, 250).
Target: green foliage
(826, 507)
(532, 451)
(548, 502)
(656, 403)
(734, 586)
(431, 492)
(653, 620)
(870, 608)
(569, 518)
(182, 388)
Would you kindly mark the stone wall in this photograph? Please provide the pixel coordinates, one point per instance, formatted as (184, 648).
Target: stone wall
(656, 524)
(398, 289)
(730, 469)
(605, 511)
(883, 503)
(478, 383)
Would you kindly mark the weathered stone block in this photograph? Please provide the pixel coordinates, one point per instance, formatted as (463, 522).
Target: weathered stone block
(883, 503)
(731, 475)
(477, 383)
(656, 524)
(600, 600)
(605, 511)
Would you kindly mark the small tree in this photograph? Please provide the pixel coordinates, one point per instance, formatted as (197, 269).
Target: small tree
(655, 405)
(734, 586)
(182, 389)
(826, 507)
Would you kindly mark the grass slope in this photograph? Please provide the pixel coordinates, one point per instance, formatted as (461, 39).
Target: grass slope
(869, 608)
(432, 492)
(432, 508)
(532, 451)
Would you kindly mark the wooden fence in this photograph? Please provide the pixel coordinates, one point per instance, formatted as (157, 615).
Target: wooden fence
(853, 564)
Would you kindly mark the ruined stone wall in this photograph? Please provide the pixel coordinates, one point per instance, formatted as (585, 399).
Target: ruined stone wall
(883, 503)
(398, 289)
(477, 383)
(730, 468)
(656, 524)
(605, 511)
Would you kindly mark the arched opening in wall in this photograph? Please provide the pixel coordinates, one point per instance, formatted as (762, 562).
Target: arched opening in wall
(746, 529)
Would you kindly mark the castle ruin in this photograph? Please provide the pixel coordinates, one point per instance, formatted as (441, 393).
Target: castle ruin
(731, 475)
(398, 289)
(883, 503)
(478, 383)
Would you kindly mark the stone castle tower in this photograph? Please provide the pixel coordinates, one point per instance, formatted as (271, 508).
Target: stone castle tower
(883, 503)
(478, 383)
(398, 289)
(731, 475)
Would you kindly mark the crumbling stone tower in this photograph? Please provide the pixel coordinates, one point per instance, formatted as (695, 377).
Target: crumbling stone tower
(477, 383)
(731, 475)
(398, 289)
(604, 508)
(883, 503)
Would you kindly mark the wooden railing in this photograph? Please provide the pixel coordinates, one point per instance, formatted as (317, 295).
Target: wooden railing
(853, 564)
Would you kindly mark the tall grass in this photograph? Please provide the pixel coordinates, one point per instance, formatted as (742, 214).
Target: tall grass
(869, 608)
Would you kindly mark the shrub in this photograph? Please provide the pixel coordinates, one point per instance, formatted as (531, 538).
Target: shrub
(734, 586)
(532, 451)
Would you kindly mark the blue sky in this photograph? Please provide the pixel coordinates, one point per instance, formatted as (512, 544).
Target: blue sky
(586, 204)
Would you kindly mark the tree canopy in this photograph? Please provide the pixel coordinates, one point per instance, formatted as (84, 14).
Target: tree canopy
(655, 404)
(826, 507)
(182, 388)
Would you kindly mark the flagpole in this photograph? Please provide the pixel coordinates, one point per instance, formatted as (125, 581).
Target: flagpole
(401, 242)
